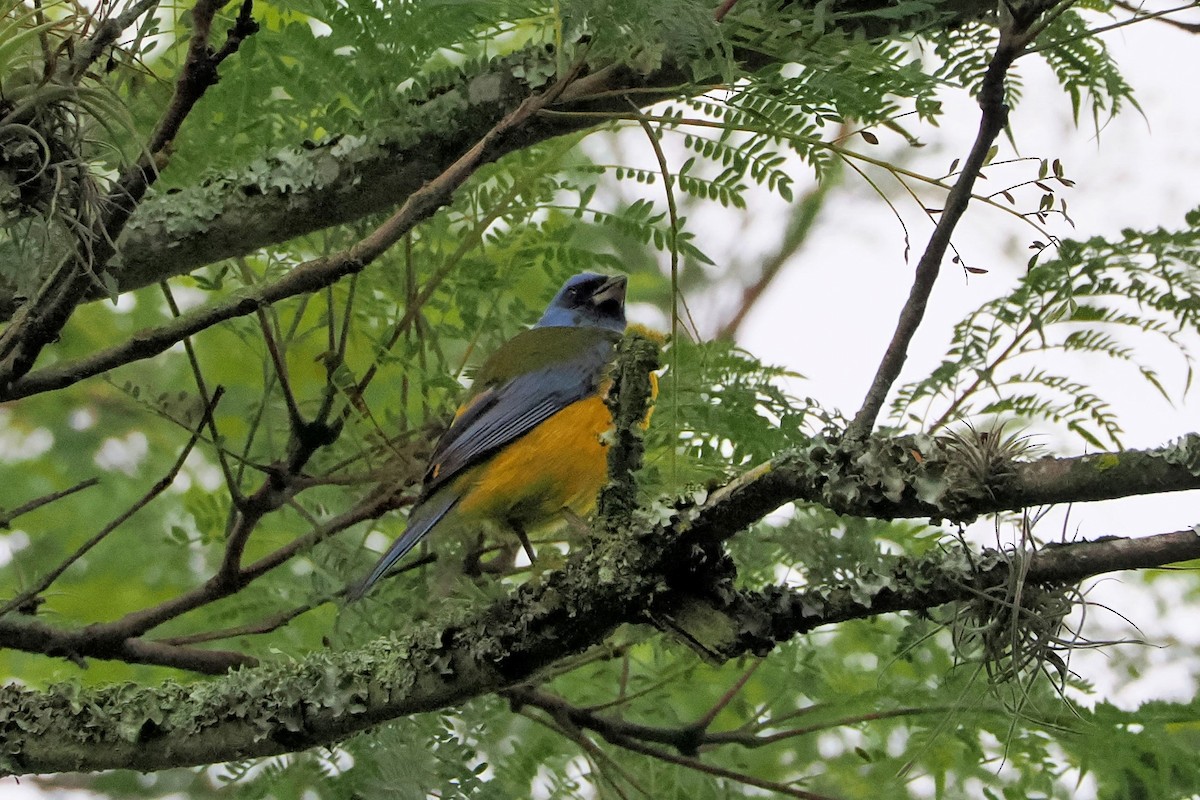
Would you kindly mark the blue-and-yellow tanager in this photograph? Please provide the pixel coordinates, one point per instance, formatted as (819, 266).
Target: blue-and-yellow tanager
(528, 444)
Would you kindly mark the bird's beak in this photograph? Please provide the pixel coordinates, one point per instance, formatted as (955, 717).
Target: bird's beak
(611, 289)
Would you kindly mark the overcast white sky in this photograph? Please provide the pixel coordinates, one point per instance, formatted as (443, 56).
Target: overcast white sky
(1140, 172)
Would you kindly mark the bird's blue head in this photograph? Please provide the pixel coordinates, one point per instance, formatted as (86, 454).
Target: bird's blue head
(588, 300)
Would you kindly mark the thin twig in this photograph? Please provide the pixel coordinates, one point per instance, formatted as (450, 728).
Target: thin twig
(281, 370)
(31, 635)
(707, 719)
(711, 769)
(268, 624)
(242, 522)
(751, 740)
(689, 738)
(343, 340)
(415, 300)
(804, 214)
(565, 729)
(105, 35)
(120, 639)
(202, 389)
(158, 488)
(685, 739)
(812, 141)
(672, 210)
(983, 376)
(139, 622)
(6, 519)
(993, 119)
(723, 9)
(628, 697)
(269, 377)
(1189, 27)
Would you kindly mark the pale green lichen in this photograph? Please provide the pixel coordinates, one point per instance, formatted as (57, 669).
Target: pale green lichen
(267, 699)
(1184, 452)
(431, 124)
(867, 477)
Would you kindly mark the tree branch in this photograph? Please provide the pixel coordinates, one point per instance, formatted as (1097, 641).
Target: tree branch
(7, 517)
(19, 632)
(352, 177)
(1141, 14)
(40, 321)
(161, 485)
(288, 706)
(803, 215)
(307, 277)
(915, 477)
(885, 478)
(625, 577)
(105, 35)
(121, 639)
(779, 613)
(630, 401)
(992, 121)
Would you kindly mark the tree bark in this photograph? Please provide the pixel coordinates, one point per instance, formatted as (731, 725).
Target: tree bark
(653, 573)
(306, 188)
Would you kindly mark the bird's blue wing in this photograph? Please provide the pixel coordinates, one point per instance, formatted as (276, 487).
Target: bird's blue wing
(559, 367)
(569, 366)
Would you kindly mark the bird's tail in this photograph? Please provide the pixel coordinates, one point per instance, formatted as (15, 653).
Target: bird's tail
(420, 523)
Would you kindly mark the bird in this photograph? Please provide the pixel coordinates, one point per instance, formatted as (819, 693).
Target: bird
(528, 444)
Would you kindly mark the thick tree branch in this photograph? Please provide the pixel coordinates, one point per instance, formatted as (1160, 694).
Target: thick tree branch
(305, 189)
(779, 613)
(20, 632)
(915, 477)
(307, 277)
(630, 401)
(643, 575)
(278, 708)
(884, 478)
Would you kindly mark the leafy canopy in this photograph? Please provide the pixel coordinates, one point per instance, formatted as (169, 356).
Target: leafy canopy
(891, 707)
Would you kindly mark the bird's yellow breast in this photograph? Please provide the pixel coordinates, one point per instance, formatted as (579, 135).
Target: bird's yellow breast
(561, 463)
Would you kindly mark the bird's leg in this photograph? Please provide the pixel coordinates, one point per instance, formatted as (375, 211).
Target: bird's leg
(504, 563)
(576, 522)
(472, 559)
(519, 530)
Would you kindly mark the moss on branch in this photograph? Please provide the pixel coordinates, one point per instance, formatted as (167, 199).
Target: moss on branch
(634, 576)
